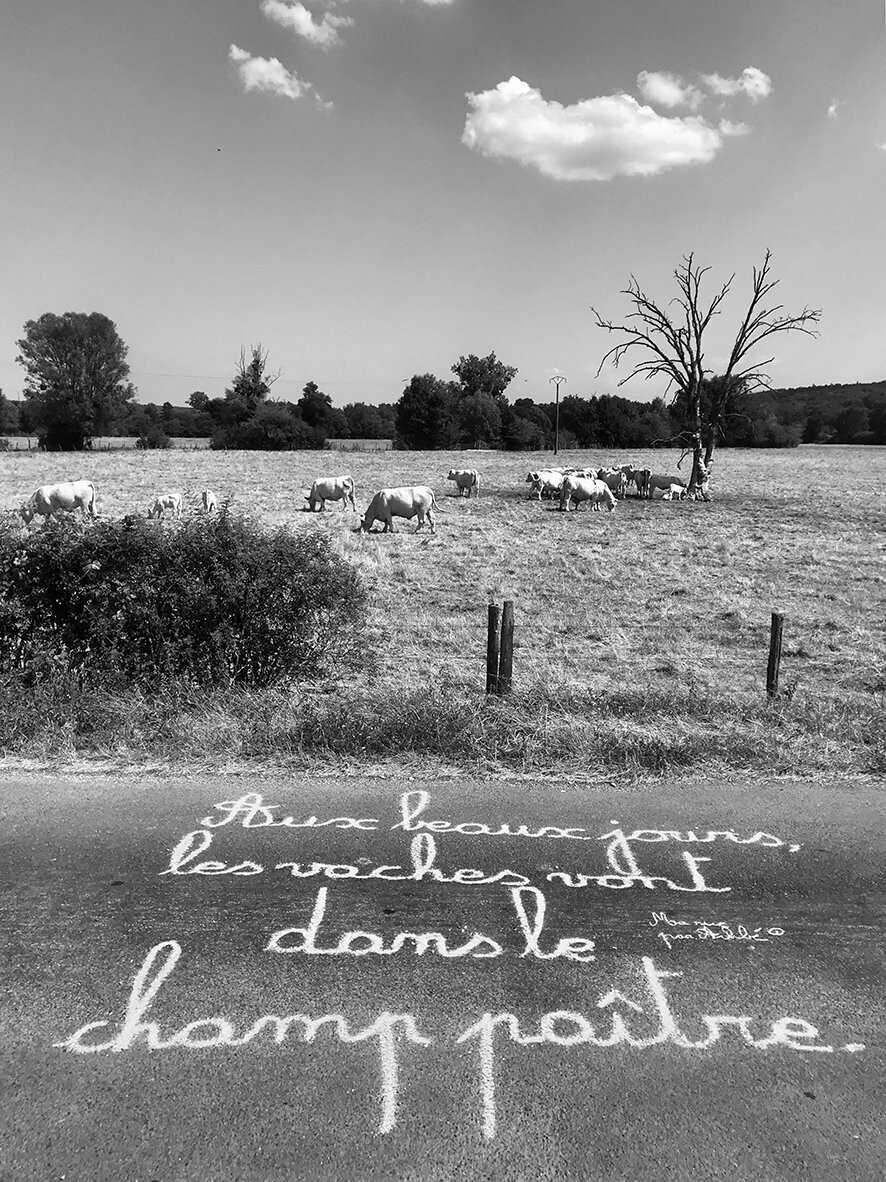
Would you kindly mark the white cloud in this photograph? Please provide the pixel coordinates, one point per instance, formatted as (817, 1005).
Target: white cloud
(752, 82)
(597, 139)
(295, 16)
(668, 90)
(834, 107)
(727, 127)
(263, 73)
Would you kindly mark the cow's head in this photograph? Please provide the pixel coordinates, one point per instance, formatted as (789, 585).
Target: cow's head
(27, 512)
(532, 477)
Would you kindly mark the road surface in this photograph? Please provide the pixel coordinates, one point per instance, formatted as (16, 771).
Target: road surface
(237, 979)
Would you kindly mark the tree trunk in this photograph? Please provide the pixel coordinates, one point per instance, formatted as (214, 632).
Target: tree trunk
(702, 462)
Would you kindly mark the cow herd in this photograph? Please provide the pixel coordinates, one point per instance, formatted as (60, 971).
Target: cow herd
(602, 487)
(599, 487)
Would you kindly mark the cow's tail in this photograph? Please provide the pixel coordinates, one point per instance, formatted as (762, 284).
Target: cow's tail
(92, 499)
(434, 504)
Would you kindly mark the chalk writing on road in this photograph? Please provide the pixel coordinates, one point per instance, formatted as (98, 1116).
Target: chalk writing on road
(651, 1022)
(251, 812)
(630, 1005)
(713, 929)
(620, 858)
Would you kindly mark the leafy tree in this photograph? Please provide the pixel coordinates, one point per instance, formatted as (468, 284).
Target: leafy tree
(8, 415)
(672, 344)
(76, 384)
(364, 421)
(425, 414)
(483, 375)
(479, 420)
(252, 381)
(198, 400)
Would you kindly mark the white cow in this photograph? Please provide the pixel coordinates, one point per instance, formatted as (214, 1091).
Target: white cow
(208, 501)
(665, 483)
(580, 488)
(465, 480)
(332, 488)
(411, 501)
(170, 502)
(677, 492)
(60, 498)
(546, 480)
(614, 479)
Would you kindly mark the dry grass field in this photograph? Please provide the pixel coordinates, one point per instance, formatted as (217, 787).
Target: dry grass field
(641, 636)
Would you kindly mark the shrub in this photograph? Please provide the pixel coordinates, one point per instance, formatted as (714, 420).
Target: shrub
(211, 602)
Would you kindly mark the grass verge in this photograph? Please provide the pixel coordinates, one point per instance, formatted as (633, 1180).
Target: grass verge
(538, 730)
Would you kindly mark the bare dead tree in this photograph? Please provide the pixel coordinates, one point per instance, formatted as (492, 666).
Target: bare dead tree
(671, 342)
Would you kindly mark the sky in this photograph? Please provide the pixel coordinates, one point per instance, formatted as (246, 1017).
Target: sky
(373, 188)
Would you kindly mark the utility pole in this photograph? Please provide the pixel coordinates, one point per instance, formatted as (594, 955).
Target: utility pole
(557, 379)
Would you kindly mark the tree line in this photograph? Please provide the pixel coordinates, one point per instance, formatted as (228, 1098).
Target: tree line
(77, 387)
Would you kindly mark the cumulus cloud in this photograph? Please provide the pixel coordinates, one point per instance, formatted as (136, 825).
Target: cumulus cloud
(597, 139)
(263, 73)
(668, 90)
(752, 82)
(322, 32)
(727, 127)
(833, 108)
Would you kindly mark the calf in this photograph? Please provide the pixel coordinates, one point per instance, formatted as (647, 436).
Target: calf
(465, 479)
(170, 502)
(665, 483)
(332, 488)
(546, 480)
(208, 501)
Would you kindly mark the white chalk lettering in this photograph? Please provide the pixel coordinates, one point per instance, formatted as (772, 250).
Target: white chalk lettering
(623, 861)
(566, 1028)
(573, 948)
(423, 854)
(413, 804)
(361, 943)
(191, 846)
(251, 812)
(205, 1033)
(716, 930)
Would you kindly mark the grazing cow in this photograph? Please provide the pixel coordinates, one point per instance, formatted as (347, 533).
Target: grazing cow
(60, 498)
(665, 483)
(411, 501)
(641, 479)
(465, 480)
(208, 501)
(170, 502)
(677, 492)
(579, 488)
(332, 488)
(546, 480)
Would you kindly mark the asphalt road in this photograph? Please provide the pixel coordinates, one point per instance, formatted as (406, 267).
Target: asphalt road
(232, 979)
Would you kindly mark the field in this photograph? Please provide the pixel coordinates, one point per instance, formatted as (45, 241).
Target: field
(641, 636)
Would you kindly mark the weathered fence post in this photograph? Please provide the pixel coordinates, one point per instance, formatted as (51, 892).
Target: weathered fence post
(775, 632)
(506, 659)
(492, 649)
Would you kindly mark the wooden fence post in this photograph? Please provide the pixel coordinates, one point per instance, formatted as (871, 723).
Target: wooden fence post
(492, 649)
(506, 660)
(772, 670)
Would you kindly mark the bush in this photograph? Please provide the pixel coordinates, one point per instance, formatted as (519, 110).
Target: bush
(210, 602)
